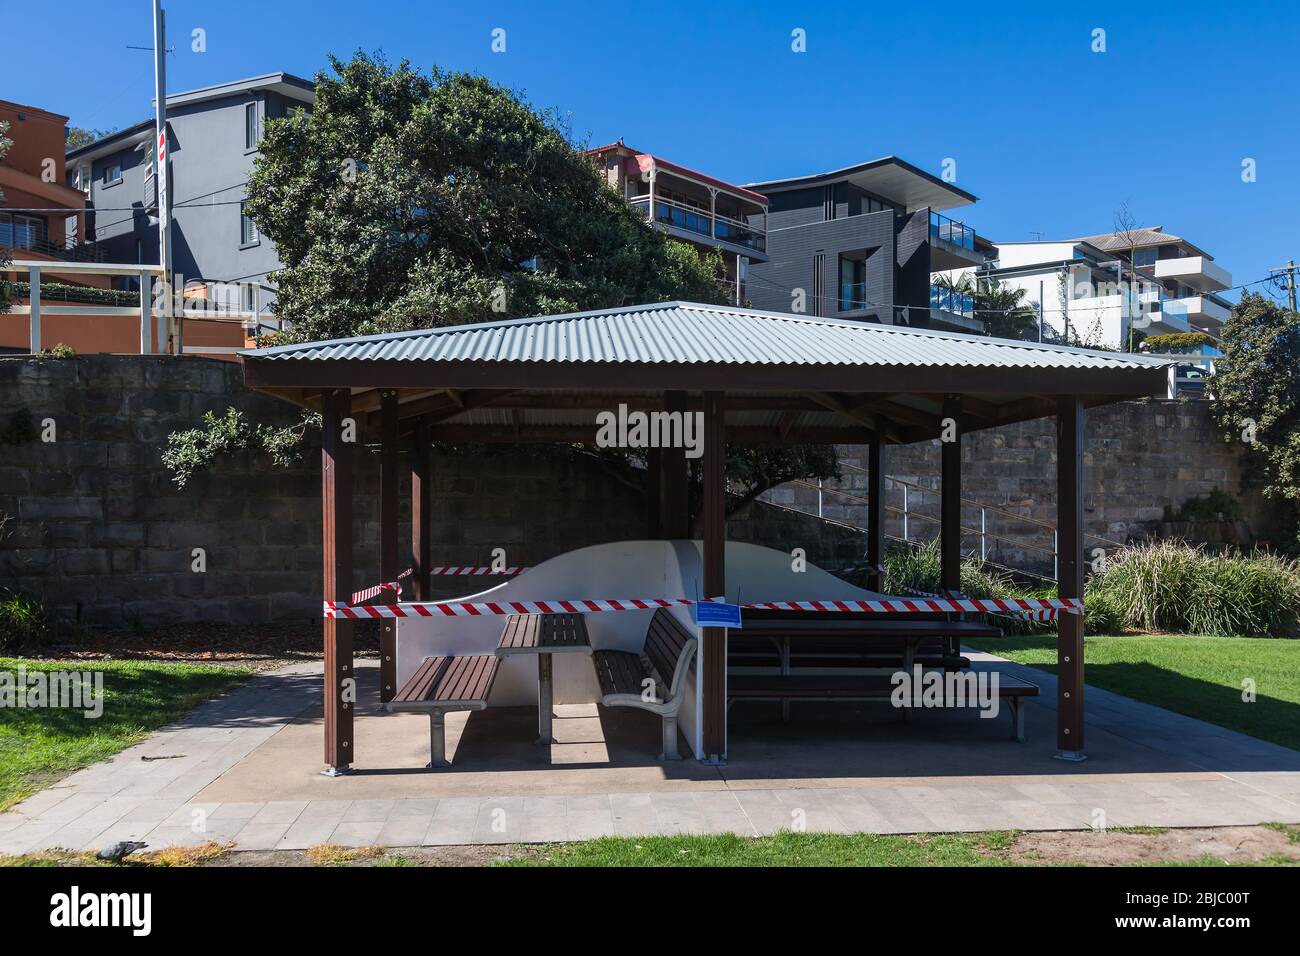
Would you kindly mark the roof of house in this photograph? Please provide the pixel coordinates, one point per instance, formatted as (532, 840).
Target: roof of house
(661, 163)
(1139, 237)
(284, 83)
(890, 177)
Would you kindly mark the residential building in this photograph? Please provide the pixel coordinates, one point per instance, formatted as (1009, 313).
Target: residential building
(212, 135)
(865, 242)
(41, 218)
(1095, 288)
(706, 212)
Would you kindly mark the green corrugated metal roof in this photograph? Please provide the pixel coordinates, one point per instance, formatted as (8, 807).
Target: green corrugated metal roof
(691, 333)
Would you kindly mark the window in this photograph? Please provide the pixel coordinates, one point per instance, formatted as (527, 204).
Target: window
(247, 228)
(853, 283)
(113, 173)
(252, 129)
(250, 296)
(21, 232)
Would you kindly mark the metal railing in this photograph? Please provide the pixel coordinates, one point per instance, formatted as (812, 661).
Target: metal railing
(950, 300)
(950, 230)
(913, 491)
(669, 212)
(68, 250)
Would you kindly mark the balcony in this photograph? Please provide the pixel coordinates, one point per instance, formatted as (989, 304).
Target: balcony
(1190, 312)
(24, 244)
(952, 244)
(697, 225)
(949, 300)
(1198, 272)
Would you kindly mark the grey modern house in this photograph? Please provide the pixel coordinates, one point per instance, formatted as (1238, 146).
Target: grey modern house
(864, 242)
(213, 135)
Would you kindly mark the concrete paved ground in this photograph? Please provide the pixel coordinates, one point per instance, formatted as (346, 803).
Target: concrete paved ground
(245, 769)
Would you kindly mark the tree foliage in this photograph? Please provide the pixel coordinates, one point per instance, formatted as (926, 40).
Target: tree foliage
(404, 201)
(1256, 387)
(1002, 309)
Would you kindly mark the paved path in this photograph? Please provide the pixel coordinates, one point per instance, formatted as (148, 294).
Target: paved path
(1200, 775)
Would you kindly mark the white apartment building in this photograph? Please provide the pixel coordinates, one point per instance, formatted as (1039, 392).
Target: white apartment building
(1095, 288)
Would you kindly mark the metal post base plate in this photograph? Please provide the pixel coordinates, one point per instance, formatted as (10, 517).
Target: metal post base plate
(337, 771)
(1073, 756)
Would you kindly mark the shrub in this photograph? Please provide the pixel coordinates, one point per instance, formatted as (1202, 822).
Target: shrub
(1172, 586)
(24, 621)
(1216, 506)
(59, 351)
(1177, 342)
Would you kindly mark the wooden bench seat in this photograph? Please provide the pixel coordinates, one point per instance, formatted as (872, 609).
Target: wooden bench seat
(441, 685)
(651, 682)
(786, 687)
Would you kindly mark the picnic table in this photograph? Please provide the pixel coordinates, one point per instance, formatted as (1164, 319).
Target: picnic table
(544, 635)
(854, 634)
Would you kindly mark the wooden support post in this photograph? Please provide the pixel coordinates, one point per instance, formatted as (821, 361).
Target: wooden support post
(714, 639)
(336, 518)
(654, 506)
(676, 482)
(875, 510)
(1069, 536)
(388, 569)
(421, 482)
(950, 504)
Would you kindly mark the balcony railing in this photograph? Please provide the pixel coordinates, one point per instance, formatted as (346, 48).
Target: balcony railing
(691, 219)
(853, 295)
(950, 300)
(21, 241)
(950, 230)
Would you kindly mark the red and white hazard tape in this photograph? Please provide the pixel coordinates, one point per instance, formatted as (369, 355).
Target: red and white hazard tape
(478, 608)
(456, 571)
(368, 593)
(920, 605)
(336, 609)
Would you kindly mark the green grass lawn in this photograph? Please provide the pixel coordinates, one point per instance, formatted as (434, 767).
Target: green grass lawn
(783, 849)
(1198, 676)
(40, 745)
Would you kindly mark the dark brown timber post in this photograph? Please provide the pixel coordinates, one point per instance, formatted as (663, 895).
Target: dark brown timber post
(675, 482)
(875, 510)
(336, 518)
(388, 570)
(654, 505)
(421, 481)
(1069, 547)
(714, 639)
(950, 504)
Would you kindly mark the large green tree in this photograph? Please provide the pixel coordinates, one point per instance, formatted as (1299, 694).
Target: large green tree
(1256, 388)
(404, 201)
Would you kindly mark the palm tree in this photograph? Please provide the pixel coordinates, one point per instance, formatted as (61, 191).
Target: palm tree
(1002, 309)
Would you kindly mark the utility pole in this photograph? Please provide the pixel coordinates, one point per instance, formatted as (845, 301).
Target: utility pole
(1289, 269)
(172, 343)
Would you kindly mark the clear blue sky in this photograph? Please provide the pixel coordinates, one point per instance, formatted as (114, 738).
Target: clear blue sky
(1051, 136)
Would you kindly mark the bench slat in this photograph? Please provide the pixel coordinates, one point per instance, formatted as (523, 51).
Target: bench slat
(449, 680)
(830, 686)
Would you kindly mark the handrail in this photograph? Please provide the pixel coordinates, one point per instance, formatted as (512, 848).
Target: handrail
(993, 509)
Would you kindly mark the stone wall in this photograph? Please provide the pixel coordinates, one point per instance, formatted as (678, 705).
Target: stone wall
(98, 529)
(1140, 457)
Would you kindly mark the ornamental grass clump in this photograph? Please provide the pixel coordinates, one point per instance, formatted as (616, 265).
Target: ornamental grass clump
(1173, 586)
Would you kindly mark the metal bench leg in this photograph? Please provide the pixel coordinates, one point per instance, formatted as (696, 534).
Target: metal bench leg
(670, 740)
(437, 740)
(545, 698)
(1017, 719)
